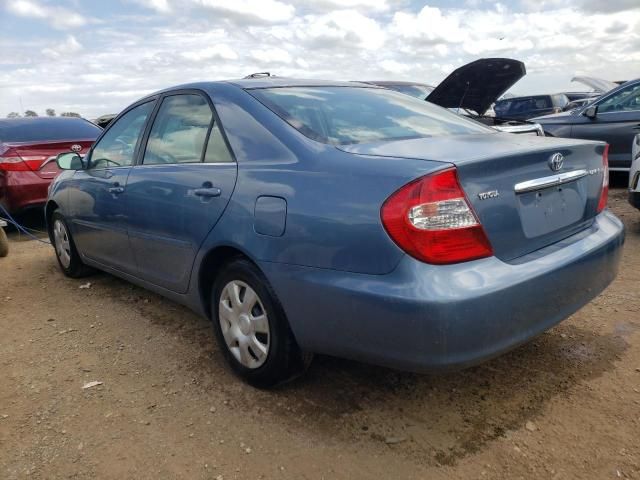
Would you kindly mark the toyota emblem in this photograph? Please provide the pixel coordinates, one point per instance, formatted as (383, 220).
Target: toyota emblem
(76, 148)
(555, 161)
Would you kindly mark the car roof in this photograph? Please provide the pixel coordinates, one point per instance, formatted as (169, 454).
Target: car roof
(261, 82)
(266, 82)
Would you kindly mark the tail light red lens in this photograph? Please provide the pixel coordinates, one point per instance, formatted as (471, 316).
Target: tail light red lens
(604, 193)
(12, 161)
(432, 220)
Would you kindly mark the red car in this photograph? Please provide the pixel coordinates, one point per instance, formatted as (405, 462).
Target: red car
(28, 150)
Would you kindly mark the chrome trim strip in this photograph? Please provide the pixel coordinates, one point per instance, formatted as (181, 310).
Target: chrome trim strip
(546, 182)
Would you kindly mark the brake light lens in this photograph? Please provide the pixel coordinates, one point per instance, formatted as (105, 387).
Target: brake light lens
(432, 220)
(12, 161)
(604, 193)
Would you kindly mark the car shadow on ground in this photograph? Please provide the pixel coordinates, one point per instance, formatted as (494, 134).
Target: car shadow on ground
(437, 418)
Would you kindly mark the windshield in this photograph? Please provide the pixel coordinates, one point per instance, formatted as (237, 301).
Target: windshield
(418, 91)
(347, 115)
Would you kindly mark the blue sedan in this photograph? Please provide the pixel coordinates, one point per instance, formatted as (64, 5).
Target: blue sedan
(310, 217)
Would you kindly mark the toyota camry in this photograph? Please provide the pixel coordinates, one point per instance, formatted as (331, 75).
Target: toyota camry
(308, 217)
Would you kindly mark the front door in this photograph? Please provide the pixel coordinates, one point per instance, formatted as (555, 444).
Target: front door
(98, 201)
(178, 191)
(617, 122)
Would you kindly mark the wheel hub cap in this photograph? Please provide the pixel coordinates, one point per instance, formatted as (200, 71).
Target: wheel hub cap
(61, 243)
(244, 323)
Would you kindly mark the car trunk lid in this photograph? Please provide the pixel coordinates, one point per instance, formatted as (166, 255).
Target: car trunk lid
(40, 157)
(521, 201)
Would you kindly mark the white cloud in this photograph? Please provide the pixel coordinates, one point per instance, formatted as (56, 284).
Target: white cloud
(70, 46)
(161, 6)
(58, 17)
(221, 51)
(100, 68)
(262, 10)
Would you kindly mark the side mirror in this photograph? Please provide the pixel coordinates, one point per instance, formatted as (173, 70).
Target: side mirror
(591, 112)
(70, 161)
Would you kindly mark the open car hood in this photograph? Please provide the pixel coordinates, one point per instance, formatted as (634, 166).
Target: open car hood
(476, 85)
(598, 84)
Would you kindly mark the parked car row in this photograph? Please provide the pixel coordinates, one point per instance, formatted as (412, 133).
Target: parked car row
(471, 90)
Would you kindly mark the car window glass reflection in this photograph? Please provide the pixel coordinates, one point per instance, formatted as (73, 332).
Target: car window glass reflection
(627, 99)
(118, 146)
(216, 148)
(347, 115)
(179, 131)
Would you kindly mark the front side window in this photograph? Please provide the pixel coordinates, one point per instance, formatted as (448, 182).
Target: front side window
(347, 115)
(627, 99)
(179, 130)
(119, 144)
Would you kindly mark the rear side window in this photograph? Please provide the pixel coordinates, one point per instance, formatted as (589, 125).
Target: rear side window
(347, 115)
(47, 129)
(179, 130)
(217, 151)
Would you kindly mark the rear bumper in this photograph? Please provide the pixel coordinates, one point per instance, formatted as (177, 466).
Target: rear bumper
(425, 318)
(22, 190)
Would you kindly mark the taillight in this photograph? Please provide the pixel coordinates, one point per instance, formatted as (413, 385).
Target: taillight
(604, 193)
(432, 220)
(12, 161)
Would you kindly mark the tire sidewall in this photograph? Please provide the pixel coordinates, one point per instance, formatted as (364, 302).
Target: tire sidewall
(76, 267)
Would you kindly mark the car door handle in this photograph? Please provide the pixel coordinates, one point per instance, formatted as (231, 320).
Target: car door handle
(207, 192)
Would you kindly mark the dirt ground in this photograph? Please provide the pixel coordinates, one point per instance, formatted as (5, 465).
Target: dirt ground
(565, 406)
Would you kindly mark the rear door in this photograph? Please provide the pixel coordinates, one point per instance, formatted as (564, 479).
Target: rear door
(617, 121)
(179, 189)
(97, 196)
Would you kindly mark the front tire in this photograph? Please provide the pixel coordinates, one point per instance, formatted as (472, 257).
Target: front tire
(66, 252)
(251, 327)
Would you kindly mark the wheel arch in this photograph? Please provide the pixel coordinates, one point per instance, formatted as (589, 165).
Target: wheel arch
(210, 267)
(49, 208)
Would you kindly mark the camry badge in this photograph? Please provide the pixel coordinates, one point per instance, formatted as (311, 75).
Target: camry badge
(76, 148)
(555, 161)
(489, 194)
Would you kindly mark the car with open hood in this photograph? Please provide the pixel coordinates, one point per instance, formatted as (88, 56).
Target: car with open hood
(471, 90)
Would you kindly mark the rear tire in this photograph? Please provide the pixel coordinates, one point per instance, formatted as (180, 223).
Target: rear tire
(66, 252)
(252, 329)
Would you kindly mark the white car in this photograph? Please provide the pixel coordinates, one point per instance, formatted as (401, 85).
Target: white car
(634, 173)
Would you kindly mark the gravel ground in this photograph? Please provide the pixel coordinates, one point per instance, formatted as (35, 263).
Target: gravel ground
(565, 406)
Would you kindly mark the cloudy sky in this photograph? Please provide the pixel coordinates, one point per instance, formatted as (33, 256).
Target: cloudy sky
(96, 57)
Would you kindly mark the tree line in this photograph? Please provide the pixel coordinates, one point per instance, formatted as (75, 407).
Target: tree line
(50, 112)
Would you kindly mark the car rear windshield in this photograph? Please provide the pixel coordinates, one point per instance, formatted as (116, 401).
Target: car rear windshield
(418, 91)
(47, 129)
(347, 115)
